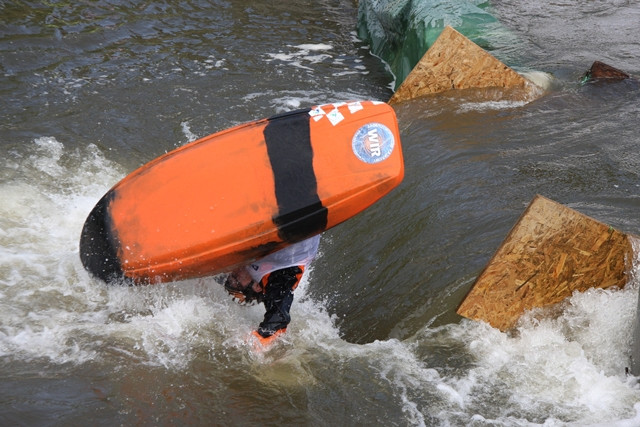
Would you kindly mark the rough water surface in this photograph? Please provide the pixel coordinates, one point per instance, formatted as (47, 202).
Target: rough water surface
(92, 90)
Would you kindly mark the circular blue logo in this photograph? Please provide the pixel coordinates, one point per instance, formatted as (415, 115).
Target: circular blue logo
(373, 143)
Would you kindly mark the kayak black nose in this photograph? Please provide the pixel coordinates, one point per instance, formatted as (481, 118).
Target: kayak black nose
(98, 245)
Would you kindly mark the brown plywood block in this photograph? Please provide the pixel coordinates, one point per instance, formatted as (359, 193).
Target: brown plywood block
(455, 62)
(600, 70)
(551, 252)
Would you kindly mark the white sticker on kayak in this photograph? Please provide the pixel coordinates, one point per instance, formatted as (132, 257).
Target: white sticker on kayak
(335, 116)
(317, 113)
(373, 143)
(355, 107)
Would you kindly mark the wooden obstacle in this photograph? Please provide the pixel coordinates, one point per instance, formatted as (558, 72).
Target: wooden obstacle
(455, 62)
(551, 252)
(600, 70)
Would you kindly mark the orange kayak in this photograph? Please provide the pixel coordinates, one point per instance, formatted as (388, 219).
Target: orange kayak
(235, 196)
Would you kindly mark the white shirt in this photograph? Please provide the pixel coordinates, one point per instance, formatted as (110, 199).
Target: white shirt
(301, 253)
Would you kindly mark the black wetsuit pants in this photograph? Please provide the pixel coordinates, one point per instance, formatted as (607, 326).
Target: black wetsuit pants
(278, 298)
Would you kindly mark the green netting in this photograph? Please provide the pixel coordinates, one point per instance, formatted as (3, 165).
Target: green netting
(401, 31)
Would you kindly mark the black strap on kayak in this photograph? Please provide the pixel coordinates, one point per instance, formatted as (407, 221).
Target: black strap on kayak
(300, 211)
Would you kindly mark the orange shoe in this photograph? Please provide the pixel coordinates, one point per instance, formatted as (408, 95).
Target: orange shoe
(262, 343)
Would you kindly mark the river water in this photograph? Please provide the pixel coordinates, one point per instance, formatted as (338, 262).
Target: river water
(92, 90)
